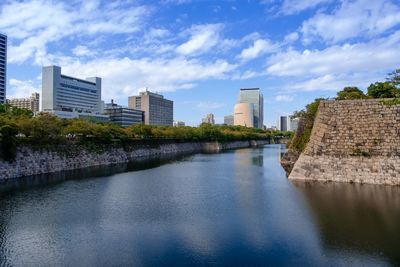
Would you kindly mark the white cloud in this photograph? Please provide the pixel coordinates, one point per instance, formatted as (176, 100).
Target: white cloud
(359, 18)
(82, 50)
(284, 98)
(290, 7)
(291, 37)
(125, 76)
(30, 33)
(259, 47)
(20, 89)
(381, 54)
(202, 39)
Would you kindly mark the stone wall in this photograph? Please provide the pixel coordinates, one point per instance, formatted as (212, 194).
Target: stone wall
(31, 162)
(353, 141)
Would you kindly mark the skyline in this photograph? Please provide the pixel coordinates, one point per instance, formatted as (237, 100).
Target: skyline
(199, 54)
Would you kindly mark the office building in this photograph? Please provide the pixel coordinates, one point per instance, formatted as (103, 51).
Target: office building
(244, 114)
(228, 120)
(209, 119)
(69, 94)
(123, 116)
(31, 103)
(3, 67)
(254, 97)
(284, 123)
(179, 123)
(294, 124)
(157, 109)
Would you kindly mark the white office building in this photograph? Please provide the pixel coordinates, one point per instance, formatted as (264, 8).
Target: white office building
(63, 95)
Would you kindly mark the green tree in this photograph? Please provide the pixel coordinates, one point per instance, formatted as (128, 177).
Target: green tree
(349, 93)
(383, 90)
(8, 142)
(394, 77)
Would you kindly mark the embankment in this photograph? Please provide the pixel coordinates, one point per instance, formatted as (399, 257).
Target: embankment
(31, 161)
(352, 141)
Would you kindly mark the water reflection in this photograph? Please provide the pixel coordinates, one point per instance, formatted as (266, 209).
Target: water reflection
(354, 217)
(231, 209)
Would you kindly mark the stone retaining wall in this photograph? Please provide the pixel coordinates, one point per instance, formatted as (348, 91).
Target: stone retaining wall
(31, 162)
(353, 141)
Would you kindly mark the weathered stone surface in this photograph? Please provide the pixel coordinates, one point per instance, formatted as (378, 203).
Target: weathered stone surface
(31, 162)
(353, 141)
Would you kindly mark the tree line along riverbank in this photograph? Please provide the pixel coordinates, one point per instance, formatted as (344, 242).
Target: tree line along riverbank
(18, 127)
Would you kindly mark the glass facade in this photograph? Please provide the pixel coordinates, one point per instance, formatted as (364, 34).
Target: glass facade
(253, 96)
(125, 117)
(3, 67)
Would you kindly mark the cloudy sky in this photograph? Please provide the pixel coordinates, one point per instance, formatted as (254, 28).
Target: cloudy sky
(199, 53)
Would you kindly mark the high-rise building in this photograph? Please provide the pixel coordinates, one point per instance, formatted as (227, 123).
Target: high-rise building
(209, 119)
(284, 123)
(3, 67)
(31, 103)
(70, 97)
(123, 116)
(254, 97)
(228, 120)
(157, 109)
(179, 123)
(244, 115)
(294, 124)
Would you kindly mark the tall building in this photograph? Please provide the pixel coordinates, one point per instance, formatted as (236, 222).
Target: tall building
(31, 103)
(157, 109)
(244, 115)
(254, 97)
(3, 67)
(294, 123)
(70, 94)
(179, 123)
(228, 120)
(209, 119)
(284, 123)
(123, 116)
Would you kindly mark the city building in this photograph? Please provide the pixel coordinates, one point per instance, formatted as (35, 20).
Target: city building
(228, 120)
(123, 116)
(31, 103)
(284, 123)
(179, 123)
(209, 119)
(244, 114)
(157, 109)
(65, 93)
(3, 67)
(294, 124)
(254, 97)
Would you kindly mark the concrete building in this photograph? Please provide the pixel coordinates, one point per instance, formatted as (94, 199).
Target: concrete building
(254, 97)
(3, 68)
(123, 116)
(243, 114)
(284, 123)
(208, 119)
(69, 94)
(31, 103)
(294, 124)
(157, 109)
(179, 123)
(228, 120)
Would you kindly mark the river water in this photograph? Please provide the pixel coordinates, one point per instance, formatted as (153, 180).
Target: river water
(235, 208)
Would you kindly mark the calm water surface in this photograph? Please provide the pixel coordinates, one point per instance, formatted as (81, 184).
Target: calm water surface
(231, 209)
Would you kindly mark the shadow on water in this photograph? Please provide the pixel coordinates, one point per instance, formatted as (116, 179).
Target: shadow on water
(47, 179)
(356, 217)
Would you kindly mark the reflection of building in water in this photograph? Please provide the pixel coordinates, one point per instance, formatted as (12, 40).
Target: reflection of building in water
(363, 218)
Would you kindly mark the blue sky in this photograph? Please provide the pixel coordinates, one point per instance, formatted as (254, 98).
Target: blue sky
(199, 53)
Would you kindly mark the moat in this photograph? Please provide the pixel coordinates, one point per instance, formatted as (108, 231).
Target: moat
(235, 208)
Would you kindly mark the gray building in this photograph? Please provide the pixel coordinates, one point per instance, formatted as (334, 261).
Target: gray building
(123, 116)
(254, 96)
(209, 119)
(3, 67)
(31, 103)
(228, 120)
(157, 109)
(69, 94)
(179, 123)
(283, 124)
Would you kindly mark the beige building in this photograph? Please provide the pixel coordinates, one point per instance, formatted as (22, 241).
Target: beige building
(243, 115)
(31, 103)
(157, 109)
(209, 119)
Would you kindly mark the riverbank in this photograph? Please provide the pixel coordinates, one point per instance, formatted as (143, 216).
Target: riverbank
(30, 161)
